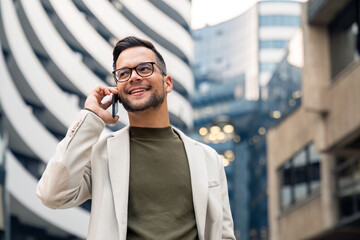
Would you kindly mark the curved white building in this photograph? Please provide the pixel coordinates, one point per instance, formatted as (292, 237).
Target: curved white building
(53, 53)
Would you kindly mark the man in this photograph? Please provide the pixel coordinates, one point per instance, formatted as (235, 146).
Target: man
(148, 180)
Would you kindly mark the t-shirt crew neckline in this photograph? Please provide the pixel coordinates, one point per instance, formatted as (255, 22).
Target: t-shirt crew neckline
(152, 133)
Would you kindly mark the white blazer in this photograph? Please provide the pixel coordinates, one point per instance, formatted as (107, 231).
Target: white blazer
(85, 167)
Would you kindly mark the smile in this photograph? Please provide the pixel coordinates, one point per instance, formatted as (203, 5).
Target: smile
(137, 90)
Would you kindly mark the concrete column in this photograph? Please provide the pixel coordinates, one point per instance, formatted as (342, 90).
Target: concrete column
(328, 191)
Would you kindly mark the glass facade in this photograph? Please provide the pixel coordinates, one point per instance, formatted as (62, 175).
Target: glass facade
(258, 187)
(284, 88)
(228, 50)
(278, 21)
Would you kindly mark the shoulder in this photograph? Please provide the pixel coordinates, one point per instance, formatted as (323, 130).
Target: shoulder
(106, 136)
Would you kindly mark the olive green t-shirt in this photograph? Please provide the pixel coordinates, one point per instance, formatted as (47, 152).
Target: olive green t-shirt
(160, 197)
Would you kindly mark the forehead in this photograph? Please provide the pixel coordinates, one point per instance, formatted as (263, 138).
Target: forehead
(133, 56)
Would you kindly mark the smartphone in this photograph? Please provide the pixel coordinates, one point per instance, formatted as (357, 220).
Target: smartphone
(115, 101)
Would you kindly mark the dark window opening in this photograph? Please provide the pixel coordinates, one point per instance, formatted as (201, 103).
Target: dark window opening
(348, 182)
(344, 38)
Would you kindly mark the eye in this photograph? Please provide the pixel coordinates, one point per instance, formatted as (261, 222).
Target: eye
(123, 73)
(144, 68)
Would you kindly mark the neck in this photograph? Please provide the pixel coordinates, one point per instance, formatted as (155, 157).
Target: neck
(158, 118)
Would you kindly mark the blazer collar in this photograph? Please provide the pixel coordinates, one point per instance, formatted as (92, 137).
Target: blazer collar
(119, 169)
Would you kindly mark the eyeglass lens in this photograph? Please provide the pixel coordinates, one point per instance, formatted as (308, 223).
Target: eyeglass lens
(143, 69)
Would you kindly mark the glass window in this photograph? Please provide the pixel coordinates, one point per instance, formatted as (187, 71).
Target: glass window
(286, 185)
(300, 176)
(314, 168)
(267, 67)
(348, 183)
(279, 20)
(299, 164)
(264, 44)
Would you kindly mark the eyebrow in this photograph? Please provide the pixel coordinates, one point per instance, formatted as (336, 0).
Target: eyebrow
(145, 61)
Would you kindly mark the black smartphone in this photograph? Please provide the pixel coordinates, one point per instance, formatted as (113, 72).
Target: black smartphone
(115, 100)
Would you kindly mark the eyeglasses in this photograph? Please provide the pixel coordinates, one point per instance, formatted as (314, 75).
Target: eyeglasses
(144, 69)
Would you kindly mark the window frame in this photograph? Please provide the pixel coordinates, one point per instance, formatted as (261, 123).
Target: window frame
(289, 165)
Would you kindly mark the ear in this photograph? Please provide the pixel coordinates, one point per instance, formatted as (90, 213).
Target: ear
(168, 83)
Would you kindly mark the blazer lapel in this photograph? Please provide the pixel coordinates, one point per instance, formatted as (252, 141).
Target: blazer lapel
(119, 169)
(199, 181)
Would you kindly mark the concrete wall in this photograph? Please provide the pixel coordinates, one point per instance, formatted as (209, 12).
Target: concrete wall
(292, 135)
(343, 97)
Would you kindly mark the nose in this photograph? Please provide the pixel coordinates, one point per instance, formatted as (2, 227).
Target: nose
(134, 76)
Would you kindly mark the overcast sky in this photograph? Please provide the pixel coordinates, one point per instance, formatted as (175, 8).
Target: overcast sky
(215, 11)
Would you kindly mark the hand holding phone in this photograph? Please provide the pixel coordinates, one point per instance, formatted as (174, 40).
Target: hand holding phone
(97, 103)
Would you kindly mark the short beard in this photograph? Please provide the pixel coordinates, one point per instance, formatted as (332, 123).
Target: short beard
(154, 102)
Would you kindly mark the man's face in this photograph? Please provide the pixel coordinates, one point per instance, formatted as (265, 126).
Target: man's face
(142, 93)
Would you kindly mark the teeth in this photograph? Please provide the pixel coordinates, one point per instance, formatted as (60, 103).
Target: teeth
(137, 90)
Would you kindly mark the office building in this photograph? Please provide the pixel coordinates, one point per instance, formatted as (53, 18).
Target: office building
(313, 155)
(250, 45)
(285, 97)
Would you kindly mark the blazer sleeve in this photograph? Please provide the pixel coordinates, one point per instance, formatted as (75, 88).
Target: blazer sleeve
(228, 225)
(66, 181)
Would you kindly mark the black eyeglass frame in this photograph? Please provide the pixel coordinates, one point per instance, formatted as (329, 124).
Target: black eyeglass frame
(131, 70)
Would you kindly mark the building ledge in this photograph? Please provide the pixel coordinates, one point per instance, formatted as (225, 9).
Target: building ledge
(321, 12)
(346, 229)
(299, 204)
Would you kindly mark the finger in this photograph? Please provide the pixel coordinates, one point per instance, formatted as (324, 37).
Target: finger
(106, 91)
(97, 95)
(111, 90)
(115, 119)
(107, 103)
(100, 92)
(114, 90)
(112, 120)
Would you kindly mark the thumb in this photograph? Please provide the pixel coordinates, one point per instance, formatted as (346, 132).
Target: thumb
(112, 120)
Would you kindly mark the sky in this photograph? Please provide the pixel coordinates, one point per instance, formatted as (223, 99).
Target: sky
(210, 12)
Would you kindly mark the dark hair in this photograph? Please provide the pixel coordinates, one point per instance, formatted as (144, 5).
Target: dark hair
(130, 42)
